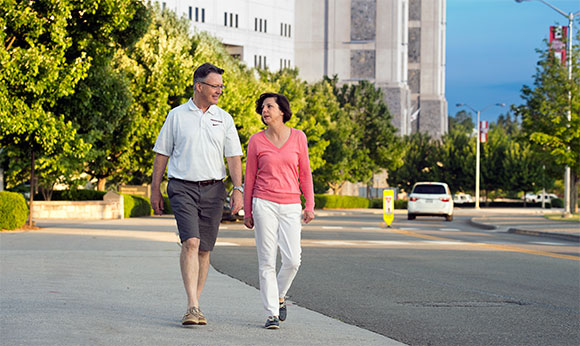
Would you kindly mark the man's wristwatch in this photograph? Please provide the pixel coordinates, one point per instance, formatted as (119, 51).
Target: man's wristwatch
(239, 188)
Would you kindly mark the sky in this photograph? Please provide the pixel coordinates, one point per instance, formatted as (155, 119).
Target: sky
(491, 50)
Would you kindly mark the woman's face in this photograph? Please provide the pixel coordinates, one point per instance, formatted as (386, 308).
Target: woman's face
(271, 113)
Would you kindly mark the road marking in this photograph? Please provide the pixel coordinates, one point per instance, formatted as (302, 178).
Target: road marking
(547, 243)
(388, 242)
(409, 229)
(370, 228)
(225, 243)
(492, 246)
(333, 242)
(449, 230)
(332, 227)
(441, 242)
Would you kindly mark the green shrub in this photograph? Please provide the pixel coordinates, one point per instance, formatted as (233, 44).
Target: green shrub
(401, 204)
(557, 203)
(342, 202)
(13, 210)
(74, 195)
(135, 206)
(377, 203)
(167, 205)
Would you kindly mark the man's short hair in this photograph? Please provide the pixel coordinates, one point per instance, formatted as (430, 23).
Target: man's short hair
(281, 101)
(202, 71)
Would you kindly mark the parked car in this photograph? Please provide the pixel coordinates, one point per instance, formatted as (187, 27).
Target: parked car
(461, 198)
(430, 199)
(537, 197)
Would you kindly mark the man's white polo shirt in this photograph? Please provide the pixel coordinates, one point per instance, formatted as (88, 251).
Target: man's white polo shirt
(196, 142)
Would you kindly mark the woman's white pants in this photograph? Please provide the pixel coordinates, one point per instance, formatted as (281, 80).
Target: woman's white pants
(276, 225)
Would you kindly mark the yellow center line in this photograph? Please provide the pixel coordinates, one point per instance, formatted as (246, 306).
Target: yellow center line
(492, 246)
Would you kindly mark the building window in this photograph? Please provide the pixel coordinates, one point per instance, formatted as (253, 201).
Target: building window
(289, 30)
(190, 12)
(255, 60)
(231, 20)
(197, 14)
(225, 19)
(236, 20)
(163, 5)
(260, 24)
(203, 15)
(281, 32)
(255, 24)
(265, 26)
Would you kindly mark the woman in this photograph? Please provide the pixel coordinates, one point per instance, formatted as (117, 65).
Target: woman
(277, 168)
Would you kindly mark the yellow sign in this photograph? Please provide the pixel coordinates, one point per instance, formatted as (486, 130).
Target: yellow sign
(388, 206)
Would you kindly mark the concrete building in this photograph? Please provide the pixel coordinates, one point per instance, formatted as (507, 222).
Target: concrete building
(399, 45)
(259, 32)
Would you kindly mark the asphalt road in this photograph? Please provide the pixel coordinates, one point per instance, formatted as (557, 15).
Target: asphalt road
(427, 281)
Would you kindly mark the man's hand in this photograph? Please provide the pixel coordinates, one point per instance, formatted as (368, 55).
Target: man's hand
(236, 201)
(249, 222)
(308, 216)
(157, 201)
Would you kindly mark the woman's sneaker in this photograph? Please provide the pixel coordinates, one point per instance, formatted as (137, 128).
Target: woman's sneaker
(272, 323)
(283, 311)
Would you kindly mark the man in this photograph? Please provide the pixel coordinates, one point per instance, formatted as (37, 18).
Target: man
(194, 139)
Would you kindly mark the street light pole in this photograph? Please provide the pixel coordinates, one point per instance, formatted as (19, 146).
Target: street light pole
(570, 16)
(478, 150)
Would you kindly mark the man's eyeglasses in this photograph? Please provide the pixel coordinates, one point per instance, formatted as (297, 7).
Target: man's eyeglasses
(221, 87)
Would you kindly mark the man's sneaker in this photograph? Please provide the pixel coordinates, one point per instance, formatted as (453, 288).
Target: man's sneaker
(283, 311)
(190, 317)
(272, 323)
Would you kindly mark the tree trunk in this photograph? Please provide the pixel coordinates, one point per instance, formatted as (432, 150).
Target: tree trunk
(574, 193)
(101, 184)
(336, 188)
(31, 200)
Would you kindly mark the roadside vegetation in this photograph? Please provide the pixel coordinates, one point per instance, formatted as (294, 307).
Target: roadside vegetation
(86, 87)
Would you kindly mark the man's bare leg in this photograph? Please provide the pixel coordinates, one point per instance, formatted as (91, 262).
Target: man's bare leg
(203, 259)
(190, 272)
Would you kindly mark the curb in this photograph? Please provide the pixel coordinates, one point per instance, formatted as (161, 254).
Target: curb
(569, 237)
(482, 225)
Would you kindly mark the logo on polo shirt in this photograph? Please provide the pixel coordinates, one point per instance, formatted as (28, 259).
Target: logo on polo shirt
(214, 121)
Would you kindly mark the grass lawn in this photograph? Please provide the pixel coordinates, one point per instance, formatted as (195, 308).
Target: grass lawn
(558, 217)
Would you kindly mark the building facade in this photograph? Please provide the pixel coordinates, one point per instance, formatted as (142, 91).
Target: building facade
(399, 45)
(258, 32)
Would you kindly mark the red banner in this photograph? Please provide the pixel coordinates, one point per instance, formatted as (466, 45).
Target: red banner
(558, 39)
(483, 129)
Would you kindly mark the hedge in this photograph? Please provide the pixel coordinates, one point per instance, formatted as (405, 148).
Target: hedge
(377, 203)
(343, 202)
(13, 210)
(74, 195)
(135, 206)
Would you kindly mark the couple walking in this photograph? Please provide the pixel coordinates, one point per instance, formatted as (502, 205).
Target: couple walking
(192, 144)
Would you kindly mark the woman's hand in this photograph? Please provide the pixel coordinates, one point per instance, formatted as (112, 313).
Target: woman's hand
(308, 216)
(249, 222)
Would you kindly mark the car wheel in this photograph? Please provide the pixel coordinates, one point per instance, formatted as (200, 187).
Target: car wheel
(410, 217)
(448, 217)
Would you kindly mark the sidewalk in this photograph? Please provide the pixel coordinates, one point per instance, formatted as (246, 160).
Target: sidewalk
(117, 282)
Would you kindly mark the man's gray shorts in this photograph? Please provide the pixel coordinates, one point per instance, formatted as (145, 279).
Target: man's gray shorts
(197, 209)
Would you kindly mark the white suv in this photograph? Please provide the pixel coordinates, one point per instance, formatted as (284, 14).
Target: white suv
(430, 199)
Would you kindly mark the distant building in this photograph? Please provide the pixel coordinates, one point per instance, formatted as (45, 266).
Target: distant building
(399, 45)
(258, 32)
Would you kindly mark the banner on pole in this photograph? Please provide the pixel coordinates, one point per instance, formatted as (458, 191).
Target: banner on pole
(483, 130)
(558, 39)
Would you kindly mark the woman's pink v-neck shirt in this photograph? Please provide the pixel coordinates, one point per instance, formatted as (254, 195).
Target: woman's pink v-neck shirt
(278, 174)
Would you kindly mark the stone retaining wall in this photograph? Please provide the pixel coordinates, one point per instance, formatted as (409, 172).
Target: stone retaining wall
(111, 207)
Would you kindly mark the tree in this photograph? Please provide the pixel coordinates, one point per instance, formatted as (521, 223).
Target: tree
(456, 159)
(521, 171)
(544, 114)
(420, 161)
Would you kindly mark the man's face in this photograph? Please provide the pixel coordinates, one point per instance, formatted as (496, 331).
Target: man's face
(210, 89)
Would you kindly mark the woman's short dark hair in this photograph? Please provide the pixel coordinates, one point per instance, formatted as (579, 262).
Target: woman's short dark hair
(281, 101)
(203, 70)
